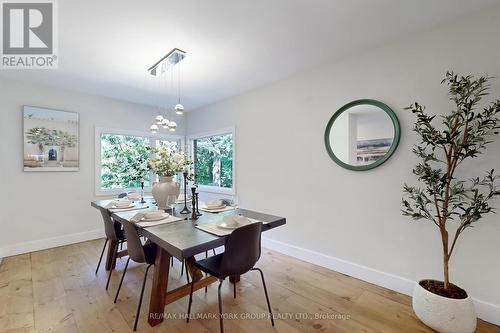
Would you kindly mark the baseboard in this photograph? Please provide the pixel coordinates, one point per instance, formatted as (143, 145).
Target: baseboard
(47, 243)
(486, 311)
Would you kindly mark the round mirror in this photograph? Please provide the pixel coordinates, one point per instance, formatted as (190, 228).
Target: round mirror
(362, 134)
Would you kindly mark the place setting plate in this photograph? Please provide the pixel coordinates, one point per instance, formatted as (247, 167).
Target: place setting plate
(154, 217)
(123, 207)
(216, 206)
(113, 205)
(225, 225)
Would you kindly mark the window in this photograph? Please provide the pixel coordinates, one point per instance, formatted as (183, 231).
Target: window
(213, 156)
(122, 158)
(124, 161)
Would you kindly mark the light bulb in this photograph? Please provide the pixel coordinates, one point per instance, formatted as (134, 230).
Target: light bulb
(153, 128)
(172, 126)
(165, 123)
(179, 109)
(159, 119)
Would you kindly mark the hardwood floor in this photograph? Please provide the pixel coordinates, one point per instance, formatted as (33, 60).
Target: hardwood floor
(56, 290)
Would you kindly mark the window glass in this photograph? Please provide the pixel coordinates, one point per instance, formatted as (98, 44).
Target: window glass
(213, 160)
(124, 161)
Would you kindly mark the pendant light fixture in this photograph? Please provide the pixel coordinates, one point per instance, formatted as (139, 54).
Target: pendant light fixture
(172, 126)
(154, 128)
(179, 108)
(159, 70)
(159, 119)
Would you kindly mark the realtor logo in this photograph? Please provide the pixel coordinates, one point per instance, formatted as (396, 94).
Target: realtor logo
(29, 34)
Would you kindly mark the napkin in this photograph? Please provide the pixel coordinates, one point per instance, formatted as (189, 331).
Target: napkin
(154, 214)
(133, 196)
(118, 204)
(213, 204)
(137, 217)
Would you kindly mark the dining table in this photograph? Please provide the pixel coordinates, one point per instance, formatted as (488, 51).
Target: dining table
(180, 239)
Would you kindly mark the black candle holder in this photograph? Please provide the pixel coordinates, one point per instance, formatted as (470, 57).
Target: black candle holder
(194, 215)
(197, 207)
(185, 210)
(142, 193)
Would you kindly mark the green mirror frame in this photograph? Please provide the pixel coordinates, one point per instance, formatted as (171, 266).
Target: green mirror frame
(395, 142)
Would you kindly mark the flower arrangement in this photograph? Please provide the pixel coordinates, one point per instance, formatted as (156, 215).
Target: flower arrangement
(167, 162)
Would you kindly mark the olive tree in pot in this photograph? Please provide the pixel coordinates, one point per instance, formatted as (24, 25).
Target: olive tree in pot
(451, 202)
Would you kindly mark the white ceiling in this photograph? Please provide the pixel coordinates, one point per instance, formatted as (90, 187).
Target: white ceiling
(232, 46)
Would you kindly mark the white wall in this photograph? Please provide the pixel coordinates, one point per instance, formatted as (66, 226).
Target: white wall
(377, 125)
(283, 168)
(44, 209)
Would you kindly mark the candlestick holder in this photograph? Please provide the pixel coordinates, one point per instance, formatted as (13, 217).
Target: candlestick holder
(197, 207)
(194, 215)
(142, 193)
(185, 210)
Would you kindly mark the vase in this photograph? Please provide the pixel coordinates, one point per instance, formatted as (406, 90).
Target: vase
(161, 191)
(443, 314)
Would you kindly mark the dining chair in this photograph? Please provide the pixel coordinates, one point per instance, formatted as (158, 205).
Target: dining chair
(113, 232)
(184, 261)
(242, 251)
(140, 253)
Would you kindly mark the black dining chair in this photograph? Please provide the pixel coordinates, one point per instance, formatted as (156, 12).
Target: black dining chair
(242, 251)
(184, 262)
(140, 253)
(114, 232)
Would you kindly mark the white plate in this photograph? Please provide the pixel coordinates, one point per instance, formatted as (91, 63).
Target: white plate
(164, 216)
(123, 207)
(223, 225)
(214, 208)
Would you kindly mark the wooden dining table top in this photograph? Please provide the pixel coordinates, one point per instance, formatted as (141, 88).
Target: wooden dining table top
(182, 239)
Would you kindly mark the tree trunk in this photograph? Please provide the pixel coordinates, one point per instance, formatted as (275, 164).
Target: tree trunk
(446, 258)
(62, 148)
(216, 168)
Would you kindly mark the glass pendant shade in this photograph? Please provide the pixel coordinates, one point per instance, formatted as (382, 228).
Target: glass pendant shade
(172, 126)
(153, 128)
(179, 109)
(159, 119)
(165, 123)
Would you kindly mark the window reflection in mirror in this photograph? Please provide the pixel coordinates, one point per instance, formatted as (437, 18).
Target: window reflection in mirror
(361, 135)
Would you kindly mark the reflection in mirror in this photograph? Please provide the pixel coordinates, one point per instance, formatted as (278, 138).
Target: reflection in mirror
(361, 135)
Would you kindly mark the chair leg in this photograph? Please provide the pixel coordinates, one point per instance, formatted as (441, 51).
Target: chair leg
(171, 261)
(234, 289)
(221, 322)
(102, 253)
(190, 301)
(140, 298)
(121, 280)
(182, 267)
(115, 250)
(265, 291)
(206, 256)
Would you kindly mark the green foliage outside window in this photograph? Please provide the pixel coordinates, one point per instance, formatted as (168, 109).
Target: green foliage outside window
(214, 160)
(124, 161)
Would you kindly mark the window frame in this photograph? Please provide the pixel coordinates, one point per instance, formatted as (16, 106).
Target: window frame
(223, 131)
(97, 151)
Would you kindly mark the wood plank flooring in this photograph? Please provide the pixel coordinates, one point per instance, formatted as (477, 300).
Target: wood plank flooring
(56, 290)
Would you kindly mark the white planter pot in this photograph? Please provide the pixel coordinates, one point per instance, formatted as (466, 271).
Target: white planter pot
(445, 315)
(163, 189)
